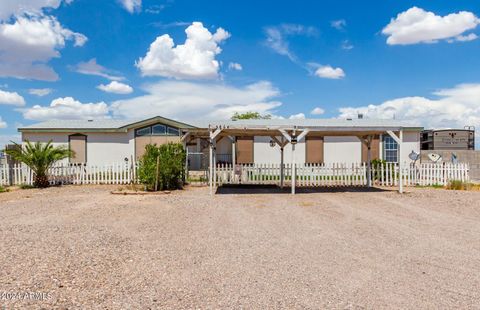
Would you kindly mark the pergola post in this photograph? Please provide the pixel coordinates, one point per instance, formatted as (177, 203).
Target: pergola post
(368, 143)
(281, 144)
(234, 150)
(282, 168)
(210, 166)
(212, 175)
(294, 140)
(214, 163)
(400, 163)
(399, 140)
(185, 139)
(294, 169)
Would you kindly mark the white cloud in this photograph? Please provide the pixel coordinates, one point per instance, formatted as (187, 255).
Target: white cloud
(2, 124)
(317, 111)
(116, 88)
(339, 24)
(18, 7)
(195, 59)
(277, 37)
(40, 92)
(7, 139)
(131, 5)
(156, 8)
(454, 107)
(346, 45)
(66, 108)
(192, 101)
(91, 67)
(419, 26)
(235, 66)
(11, 98)
(297, 116)
(328, 72)
(29, 41)
(466, 38)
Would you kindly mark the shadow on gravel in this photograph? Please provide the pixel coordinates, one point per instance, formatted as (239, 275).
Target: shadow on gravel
(273, 189)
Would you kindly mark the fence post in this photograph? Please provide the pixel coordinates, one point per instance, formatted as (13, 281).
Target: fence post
(157, 172)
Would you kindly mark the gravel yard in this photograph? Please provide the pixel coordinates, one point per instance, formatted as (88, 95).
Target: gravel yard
(85, 248)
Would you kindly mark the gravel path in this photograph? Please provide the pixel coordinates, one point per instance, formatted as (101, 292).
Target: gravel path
(86, 248)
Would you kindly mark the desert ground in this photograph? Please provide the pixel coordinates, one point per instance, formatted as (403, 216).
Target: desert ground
(83, 247)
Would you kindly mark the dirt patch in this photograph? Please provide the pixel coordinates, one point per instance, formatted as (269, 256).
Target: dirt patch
(88, 248)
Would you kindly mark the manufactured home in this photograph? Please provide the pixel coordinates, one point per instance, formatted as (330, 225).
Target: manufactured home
(239, 142)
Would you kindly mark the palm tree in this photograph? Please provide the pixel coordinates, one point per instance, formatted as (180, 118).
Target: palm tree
(39, 157)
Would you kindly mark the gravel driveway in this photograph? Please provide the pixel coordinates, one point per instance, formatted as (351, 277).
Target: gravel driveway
(85, 248)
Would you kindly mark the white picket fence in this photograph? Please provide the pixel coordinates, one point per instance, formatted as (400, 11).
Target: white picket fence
(115, 173)
(307, 175)
(338, 174)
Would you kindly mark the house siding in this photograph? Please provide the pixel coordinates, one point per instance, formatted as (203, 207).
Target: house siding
(102, 148)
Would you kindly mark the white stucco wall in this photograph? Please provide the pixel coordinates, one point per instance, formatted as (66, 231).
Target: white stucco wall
(58, 139)
(342, 150)
(102, 148)
(263, 153)
(110, 147)
(411, 142)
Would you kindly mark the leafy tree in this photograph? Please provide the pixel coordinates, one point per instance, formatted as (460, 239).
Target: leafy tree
(171, 172)
(40, 157)
(250, 115)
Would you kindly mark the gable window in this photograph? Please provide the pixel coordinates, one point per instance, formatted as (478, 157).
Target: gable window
(390, 149)
(157, 130)
(173, 131)
(144, 131)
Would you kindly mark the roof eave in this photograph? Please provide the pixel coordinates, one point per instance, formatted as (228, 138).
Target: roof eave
(108, 130)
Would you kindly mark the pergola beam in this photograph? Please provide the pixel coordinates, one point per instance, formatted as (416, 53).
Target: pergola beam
(303, 135)
(285, 134)
(185, 136)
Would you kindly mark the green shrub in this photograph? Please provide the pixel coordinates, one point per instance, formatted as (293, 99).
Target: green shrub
(458, 185)
(171, 169)
(26, 186)
(377, 165)
(3, 189)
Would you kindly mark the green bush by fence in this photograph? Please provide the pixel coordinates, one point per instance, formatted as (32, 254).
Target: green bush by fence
(171, 166)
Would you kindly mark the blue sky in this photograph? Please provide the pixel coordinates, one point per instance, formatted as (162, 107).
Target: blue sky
(413, 60)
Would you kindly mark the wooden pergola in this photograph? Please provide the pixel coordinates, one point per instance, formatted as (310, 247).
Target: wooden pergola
(295, 131)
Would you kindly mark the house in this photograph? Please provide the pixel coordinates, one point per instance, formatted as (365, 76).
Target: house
(448, 139)
(241, 142)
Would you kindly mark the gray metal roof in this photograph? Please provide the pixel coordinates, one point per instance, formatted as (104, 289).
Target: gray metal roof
(308, 123)
(82, 124)
(107, 125)
(122, 125)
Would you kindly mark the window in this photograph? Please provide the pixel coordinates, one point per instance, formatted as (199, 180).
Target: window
(158, 130)
(173, 131)
(144, 131)
(390, 149)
